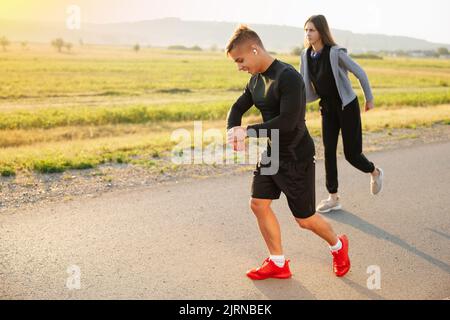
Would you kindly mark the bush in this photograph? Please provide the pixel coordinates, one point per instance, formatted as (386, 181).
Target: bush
(296, 51)
(179, 47)
(7, 171)
(366, 56)
(48, 166)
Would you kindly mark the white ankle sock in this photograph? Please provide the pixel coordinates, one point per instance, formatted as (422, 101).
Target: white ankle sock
(337, 246)
(278, 260)
(331, 198)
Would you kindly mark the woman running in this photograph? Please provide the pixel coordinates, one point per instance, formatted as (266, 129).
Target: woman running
(324, 67)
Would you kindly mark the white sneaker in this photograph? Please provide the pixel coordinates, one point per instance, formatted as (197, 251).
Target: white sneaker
(376, 184)
(328, 204)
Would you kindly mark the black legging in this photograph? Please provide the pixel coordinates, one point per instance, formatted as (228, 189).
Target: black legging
(349, 120)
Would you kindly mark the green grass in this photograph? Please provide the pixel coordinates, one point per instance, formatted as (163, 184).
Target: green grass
(6, 171)
(98, 116)
(121, 73)
(148, 147)
(51, 117)
(110, 105)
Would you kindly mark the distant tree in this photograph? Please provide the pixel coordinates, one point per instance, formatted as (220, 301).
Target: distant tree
(400, 53)
(136, 47)
(442, 51)
(58, 44)
(24, 45)
(68, 46)
(196, 48)
(214, 48)
(366, 56)
(80, 42)
(177, 47)
(433, 54)
(4, 42)
(296, 51)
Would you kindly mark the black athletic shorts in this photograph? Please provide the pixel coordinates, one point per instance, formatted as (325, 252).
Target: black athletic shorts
(295, 179)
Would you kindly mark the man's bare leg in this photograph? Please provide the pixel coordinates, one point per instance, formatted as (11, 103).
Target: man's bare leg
(268, 224)
(339, 246)
(320, 226)
(276, 266)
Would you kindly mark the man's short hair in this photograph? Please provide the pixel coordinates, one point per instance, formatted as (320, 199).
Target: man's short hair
(241, 35)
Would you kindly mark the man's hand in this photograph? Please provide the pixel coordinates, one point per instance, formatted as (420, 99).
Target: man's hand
(369, 105)
(236, 137)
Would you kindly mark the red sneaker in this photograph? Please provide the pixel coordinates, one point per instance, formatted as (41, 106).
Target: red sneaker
(341, 261)
(270, 270)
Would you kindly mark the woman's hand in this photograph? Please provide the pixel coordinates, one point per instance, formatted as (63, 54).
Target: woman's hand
(369, 105)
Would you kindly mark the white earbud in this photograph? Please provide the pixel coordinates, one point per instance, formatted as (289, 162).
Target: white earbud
(255, 52)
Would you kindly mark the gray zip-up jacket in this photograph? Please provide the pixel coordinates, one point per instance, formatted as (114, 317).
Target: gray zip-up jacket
(341, 63)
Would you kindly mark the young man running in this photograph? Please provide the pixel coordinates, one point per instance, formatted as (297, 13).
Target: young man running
(278, 91)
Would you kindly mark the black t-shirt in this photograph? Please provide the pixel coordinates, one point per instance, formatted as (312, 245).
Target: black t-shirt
(321, 75)
(279, 93)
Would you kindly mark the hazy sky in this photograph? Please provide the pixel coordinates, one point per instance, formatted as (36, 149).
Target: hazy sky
(427, 20)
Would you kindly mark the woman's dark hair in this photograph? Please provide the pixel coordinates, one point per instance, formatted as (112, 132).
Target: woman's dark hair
(321, 25)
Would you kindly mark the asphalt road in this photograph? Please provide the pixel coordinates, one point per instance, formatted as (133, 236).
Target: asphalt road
(195, 240)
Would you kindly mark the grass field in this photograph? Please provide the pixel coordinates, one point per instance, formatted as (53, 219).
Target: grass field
(99, 104)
